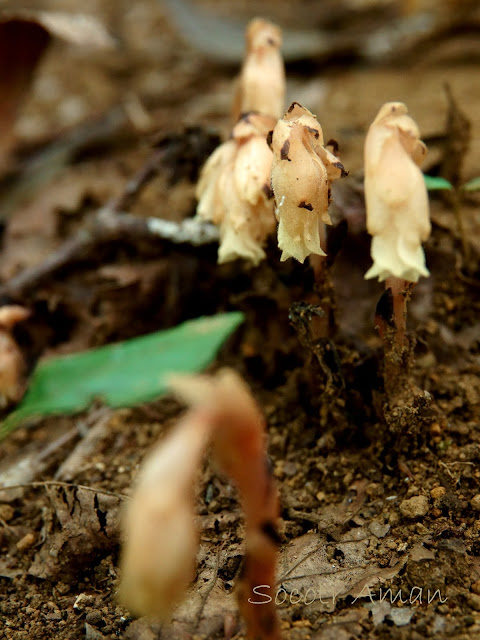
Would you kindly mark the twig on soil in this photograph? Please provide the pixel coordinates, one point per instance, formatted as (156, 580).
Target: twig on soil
(23, 470)
(68, 485)
(208, 590)
(86, 447)
(109, 226)
(135, 185)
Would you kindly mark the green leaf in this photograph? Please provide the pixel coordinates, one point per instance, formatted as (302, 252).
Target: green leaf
(434, 183)
(122, 374)
(472, 185)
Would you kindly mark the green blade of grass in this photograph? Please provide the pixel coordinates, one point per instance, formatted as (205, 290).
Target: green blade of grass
(434, 183)
(122, 374)
(472, 185)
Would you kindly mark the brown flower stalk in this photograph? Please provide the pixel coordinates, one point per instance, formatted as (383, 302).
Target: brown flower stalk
(160, 548)
(261, 85)
(234, 190)
(399, 221)
(397, 206)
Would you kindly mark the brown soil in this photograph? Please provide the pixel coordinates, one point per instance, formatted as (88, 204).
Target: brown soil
(374, 496)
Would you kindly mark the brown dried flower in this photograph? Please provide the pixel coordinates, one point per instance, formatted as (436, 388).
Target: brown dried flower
(261, 86)
(302, 172)
(396, 196)
(234, 190)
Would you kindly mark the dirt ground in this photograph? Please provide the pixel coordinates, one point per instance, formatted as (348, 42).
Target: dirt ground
(380, 505)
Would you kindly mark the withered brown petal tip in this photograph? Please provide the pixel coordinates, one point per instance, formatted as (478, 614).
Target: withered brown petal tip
(305, 205)
(284, 150)
(334, 144)
(292, 106)
(339, 165)
(270, 138)
(246, 115)
(268, 191)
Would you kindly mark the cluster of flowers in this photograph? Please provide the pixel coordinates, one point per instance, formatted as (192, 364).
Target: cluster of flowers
(272, 169)
(281, 168)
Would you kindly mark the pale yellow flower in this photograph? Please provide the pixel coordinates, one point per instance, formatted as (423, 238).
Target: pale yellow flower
(261, 86)
(234, 190)
(302, 172)
(396, 196)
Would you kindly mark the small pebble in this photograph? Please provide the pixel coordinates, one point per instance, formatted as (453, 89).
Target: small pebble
(26, 542)
(379, 529)
(438, 492)
(475, 502)
(474, 601)
(476, 587)
(290, 469)
(414, 507)
(6, 512)
(94, 618)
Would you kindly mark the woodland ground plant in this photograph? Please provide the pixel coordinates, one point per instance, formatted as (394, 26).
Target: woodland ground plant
(378, 481)
(398, 218)
(161, 541)
(234, 192)
(286, 158)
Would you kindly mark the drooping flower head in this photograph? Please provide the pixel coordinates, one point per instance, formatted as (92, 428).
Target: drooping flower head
(396, 196)
(261, 86)
(302, 172)
(234, 190)
(161, 541)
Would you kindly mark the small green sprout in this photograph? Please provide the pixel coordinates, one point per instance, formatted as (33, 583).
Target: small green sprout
(435, 183)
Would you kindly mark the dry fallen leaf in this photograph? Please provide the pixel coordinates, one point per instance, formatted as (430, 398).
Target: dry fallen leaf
(87, 524)
(306, 571)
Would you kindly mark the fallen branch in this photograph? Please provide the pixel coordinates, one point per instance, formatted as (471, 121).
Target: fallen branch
(108, 226)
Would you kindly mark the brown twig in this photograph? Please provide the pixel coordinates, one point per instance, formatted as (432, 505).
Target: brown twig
(67, 485)
(136, 184)
(108, 226)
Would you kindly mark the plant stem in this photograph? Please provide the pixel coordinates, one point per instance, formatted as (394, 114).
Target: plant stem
(400, 294)
(455, 200)
(391, 320)
(323, 327)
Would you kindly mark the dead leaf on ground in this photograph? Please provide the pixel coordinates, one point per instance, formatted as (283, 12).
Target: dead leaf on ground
(306, 571)
(346, 626)
(208, 603)
(88, 526)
